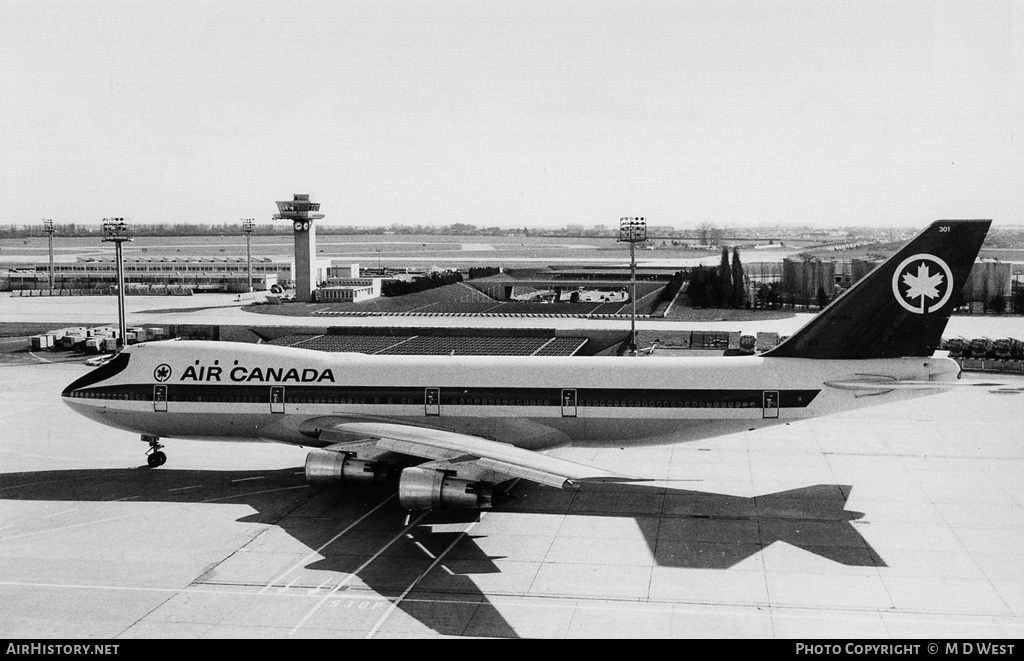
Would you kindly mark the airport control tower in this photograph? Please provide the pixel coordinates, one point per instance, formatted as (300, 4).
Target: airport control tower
(301, 212)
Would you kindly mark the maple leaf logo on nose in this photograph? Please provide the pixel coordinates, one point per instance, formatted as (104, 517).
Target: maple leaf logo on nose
(923, 285)
(162, 373)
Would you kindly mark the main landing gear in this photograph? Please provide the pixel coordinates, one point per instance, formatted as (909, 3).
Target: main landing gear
(156, 457)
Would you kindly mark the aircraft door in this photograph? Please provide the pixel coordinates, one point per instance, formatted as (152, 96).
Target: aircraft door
(568, 403)
(277, 399)
(770, 404)
(432, 401)
(160, 398)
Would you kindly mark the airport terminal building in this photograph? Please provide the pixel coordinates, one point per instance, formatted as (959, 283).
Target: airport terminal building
(222, 274)
(199, 274)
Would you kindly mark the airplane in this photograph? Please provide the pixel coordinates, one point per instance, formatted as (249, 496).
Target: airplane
(458, 428)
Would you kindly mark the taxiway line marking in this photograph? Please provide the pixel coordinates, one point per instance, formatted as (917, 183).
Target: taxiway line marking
(597, 603)
(38, 357)
(285, 587)
(47, 516)
(316, 551)
(394, 605)
(194, 486)
(320, 587)
(355, 573)
(246, 479)
(148, 512)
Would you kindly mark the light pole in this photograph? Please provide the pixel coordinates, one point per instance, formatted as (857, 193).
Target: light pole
(632, 230)
(48, 226)
(248, 227)
(116, 230)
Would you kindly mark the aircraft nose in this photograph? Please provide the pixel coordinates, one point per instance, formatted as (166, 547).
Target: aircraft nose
(75, 389)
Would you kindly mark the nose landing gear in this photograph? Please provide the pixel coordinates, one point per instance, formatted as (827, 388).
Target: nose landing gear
(156, 457)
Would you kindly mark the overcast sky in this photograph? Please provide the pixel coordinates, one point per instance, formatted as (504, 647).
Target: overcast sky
(513, 113)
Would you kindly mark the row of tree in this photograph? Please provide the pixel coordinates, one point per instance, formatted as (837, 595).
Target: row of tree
(719, 286)
(483, 271)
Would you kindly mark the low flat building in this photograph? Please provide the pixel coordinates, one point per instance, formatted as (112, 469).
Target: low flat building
(348, 290)
(226, 274)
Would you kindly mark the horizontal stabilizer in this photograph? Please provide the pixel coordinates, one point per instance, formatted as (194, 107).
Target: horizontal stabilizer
(883, 383)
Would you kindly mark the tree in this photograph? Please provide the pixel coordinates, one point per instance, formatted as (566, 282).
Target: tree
(708, 234)
(772, 298)
(699, 288)
(739, 292)
(704, 233)
(725, 295)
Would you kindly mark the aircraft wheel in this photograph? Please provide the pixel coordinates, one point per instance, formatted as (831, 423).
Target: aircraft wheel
(156, 459)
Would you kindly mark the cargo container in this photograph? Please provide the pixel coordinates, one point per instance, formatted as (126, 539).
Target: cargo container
(1001, 347)
(980, 347)
(766, 341)
(73, 340)
(956, 346)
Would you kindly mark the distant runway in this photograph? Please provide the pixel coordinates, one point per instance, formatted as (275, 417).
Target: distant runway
(902, 521)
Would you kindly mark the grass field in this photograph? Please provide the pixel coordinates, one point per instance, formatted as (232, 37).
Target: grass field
(27, 329)
(367, 250)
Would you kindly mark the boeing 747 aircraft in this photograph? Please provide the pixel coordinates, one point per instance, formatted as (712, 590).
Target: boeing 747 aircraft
(458, 426)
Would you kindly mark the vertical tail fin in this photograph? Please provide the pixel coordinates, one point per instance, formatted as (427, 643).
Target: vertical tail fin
(899, 309)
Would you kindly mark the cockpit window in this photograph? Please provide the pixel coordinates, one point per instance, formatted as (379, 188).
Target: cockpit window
(101, 373)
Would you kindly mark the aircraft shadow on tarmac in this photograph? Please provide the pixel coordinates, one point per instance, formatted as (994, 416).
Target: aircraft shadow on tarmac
(683, 528)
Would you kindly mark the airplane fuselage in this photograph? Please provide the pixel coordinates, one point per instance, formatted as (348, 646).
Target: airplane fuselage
(208, 390)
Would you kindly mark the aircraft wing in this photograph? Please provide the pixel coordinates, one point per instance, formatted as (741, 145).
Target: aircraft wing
(454, 448)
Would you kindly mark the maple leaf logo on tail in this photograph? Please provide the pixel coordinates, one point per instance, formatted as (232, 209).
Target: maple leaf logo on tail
(923, 285)
(919, 280)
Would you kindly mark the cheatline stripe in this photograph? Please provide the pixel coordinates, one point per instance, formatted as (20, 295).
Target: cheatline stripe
(451, 395)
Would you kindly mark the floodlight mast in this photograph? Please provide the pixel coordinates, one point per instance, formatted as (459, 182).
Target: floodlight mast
(248, 227)
(632, 230)
(116, 230)
(48, 226)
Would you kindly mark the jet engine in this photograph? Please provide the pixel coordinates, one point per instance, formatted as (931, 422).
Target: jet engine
(327, 468)
(424, 488)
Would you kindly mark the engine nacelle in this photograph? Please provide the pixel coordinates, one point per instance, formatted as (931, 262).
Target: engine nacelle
(327, 468)
(423, 488)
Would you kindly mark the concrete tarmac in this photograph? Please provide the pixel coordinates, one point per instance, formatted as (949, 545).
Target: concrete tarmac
(900, 521)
